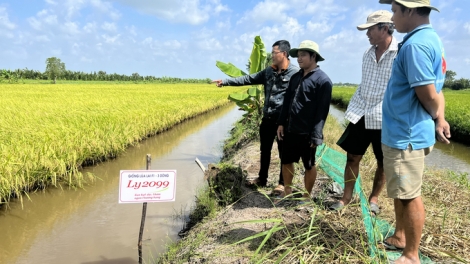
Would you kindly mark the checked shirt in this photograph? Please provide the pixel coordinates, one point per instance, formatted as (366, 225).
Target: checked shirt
(368, 98)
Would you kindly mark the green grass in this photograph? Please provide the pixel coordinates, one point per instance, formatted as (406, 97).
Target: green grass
(47, 132)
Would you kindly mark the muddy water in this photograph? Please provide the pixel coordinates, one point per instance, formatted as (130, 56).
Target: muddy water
(88, 226)
(455, 156)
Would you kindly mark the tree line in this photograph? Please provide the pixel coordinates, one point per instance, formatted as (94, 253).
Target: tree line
(455, 84)
(55, 70)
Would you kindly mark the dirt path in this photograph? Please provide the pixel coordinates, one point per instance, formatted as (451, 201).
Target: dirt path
(221, 232)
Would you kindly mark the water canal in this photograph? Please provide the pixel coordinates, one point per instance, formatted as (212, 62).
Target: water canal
(88, 226)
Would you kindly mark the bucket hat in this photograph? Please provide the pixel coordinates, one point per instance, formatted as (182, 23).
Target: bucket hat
(412, 3)
(309, 46)
(381, 16)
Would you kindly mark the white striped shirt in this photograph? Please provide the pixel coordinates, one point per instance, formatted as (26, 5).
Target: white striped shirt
(368, 98)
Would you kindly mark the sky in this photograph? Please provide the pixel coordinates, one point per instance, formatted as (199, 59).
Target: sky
(185, 38)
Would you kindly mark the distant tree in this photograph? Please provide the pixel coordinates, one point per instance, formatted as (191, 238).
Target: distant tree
(450, 75)
(135, 76)
(54, 68)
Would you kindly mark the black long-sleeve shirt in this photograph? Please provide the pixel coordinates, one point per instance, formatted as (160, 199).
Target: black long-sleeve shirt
(306, 104)
(275, 85)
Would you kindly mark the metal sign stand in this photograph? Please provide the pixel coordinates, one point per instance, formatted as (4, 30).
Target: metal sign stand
(142, 221)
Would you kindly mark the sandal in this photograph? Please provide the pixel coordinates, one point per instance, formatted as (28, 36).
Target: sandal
(278, 190)
(374, 208)
(389, 246)
(256, 182)
(338, 206)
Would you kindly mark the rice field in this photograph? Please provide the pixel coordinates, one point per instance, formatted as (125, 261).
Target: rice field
(47, 132)
(457, 109)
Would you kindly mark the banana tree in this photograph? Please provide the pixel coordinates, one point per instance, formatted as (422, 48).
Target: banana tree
(251, 101)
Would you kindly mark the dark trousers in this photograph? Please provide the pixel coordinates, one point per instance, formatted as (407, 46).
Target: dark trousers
(267, 133)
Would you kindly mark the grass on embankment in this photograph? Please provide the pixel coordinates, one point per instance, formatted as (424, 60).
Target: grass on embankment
(457, 109)
(47, 131)
(277, 234)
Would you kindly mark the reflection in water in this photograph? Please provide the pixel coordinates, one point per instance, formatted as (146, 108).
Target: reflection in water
(89, 226)
(455, 156)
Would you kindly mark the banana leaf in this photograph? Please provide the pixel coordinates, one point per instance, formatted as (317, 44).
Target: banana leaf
(229, 69)
(237, 97)
(258, 56)
(255, 92)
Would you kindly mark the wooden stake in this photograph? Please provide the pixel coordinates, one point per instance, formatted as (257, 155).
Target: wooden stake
(200, 165)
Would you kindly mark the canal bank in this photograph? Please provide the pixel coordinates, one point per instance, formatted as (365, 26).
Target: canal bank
(256, 228)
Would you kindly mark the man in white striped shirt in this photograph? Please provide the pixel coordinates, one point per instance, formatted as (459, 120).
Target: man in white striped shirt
(365, 108)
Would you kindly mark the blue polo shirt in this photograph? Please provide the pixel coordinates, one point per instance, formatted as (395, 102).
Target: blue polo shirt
(420, 61)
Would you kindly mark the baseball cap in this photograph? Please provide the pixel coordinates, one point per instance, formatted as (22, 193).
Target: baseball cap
(381, 16)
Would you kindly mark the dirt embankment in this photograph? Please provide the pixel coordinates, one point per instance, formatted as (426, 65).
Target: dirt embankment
(259, 229)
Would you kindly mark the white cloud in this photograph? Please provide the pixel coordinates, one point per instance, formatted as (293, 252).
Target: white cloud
(467, 61)
(467, 27)
(172, 44)
(111, 39)
(184, 11)
(34, 23)
(42, 38)
(4, 20)
(71, 28)
(268, 10)
(322, 27)
(85, 59)
(147, 41)
(446, 26)
(292, 27)
(340, 40)
(109, 27)
(210, 44)
(6, 34)
(132, 30)
(51, 20)
(107, 8)
(73, 7)
(42, 12)
(89, 27)
(223, 25)
(56, 52)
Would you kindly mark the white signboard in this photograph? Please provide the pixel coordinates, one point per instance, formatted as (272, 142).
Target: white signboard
(138, 186)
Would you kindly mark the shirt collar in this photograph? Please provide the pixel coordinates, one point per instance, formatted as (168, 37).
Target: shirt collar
(416, 29)
(284, 66)
(411, 33)
(393, 46)
(314, 70)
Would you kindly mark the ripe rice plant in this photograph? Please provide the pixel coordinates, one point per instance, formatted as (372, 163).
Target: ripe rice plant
(47, 132)
(458, 114)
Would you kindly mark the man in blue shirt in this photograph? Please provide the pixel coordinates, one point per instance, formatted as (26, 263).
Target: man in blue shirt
(413, 117)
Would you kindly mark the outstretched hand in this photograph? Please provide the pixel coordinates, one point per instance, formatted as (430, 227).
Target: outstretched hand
(218, 83)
